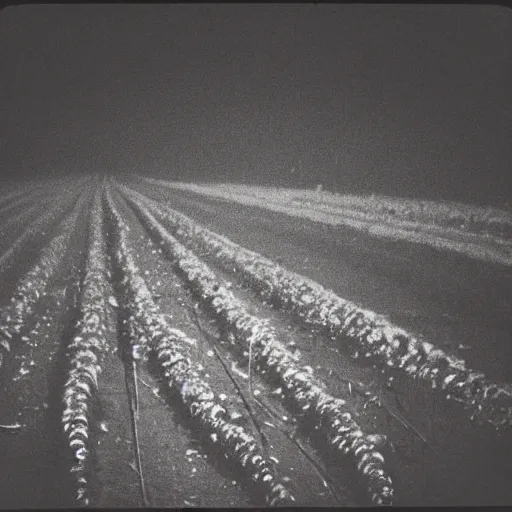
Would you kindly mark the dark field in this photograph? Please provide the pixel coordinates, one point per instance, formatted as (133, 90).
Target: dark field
(143, 365)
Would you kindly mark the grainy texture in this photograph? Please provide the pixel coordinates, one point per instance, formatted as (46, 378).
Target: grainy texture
(150, 361)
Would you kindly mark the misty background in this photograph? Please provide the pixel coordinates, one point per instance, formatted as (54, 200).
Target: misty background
(405, 100)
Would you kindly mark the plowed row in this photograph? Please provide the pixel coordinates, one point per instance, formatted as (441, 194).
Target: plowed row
(148, 361)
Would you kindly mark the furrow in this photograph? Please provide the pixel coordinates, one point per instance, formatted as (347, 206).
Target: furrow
(271, 356)
(20, 218)
(33, 285)
(31, 232)
(29, 200)
(373, 336)
(151, 333)
(84, 354)
(15, 195)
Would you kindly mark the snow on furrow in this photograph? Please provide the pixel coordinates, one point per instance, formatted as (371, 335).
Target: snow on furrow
(84, 353)
(150, 331)
(331, 414)
(373, 335)
(33, 230)
(32, 286)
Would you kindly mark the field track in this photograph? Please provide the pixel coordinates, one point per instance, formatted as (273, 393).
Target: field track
(159, 348)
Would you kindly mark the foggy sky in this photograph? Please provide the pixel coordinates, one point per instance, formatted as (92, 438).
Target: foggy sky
(410, 100)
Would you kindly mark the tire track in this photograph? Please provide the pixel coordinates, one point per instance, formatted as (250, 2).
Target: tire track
(12, 196)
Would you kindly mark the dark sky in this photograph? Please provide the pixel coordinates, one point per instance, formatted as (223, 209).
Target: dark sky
(410, 100)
